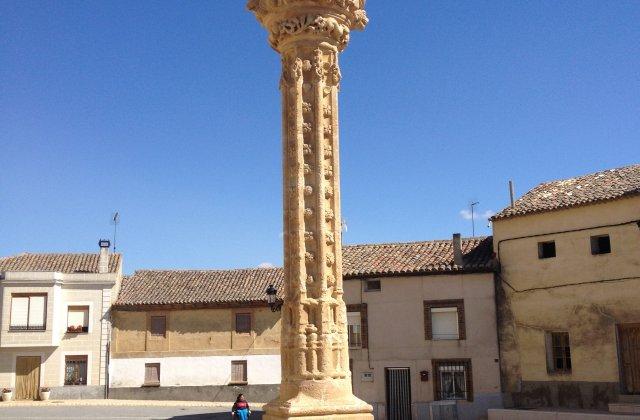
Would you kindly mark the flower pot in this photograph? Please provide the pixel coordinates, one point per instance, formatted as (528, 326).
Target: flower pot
(7, 396)
(44, 395)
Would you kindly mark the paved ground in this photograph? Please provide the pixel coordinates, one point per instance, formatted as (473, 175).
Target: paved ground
(67, 412)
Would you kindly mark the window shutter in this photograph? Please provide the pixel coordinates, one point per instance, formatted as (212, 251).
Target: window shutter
(444, 323)
(243, 323)
(158, 326)
(238, 371)
(152, 373)
(36, 311)
(549, 350)
(78, 316)
(19, 311)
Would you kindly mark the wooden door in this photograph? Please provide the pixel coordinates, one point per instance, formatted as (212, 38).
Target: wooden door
(629, 336)
(27, 377)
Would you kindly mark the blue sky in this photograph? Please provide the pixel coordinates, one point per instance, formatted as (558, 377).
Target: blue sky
(169, 112)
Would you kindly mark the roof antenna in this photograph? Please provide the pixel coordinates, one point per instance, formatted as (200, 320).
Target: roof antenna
(473, 219)
(511, 193)
(115, 220)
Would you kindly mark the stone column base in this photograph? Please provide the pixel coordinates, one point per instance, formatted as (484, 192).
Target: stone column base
(361, 416)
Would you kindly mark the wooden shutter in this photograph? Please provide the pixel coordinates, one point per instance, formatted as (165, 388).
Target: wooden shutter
(548, 344)
(239, 371)
(159, 326)
(152, 373)
(243, 322)
(19, 311)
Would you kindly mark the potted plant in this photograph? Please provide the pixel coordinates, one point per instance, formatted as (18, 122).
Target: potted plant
(7, 394)
(44, 393)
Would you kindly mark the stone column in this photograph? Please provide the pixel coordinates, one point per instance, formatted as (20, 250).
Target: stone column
(309, 34)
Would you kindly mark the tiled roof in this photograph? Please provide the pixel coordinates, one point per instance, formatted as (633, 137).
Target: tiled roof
(194, 287)
(158, 287)
(63, 263)
(601, 186)
(415, 257)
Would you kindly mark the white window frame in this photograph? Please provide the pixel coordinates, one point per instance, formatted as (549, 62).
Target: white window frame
(441, 310)
(83, 303)
(28, 296)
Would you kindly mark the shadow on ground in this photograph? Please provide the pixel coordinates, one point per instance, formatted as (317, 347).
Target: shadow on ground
(255, 415)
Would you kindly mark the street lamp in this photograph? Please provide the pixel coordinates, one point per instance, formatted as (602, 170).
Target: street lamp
(272, 300)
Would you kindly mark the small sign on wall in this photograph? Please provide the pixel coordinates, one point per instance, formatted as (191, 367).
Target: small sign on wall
(367, 376)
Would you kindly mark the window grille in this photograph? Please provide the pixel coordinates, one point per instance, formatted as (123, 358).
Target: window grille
(243, 323)
(558, 352)
(75, 370)
(28, 312)
(159, 326)
(239, 371)
(453, 380)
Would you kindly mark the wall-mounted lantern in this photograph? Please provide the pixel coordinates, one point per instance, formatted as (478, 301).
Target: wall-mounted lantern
(273, 302)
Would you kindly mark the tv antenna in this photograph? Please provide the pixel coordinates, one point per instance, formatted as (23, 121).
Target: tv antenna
(473, 219)
(115, 220)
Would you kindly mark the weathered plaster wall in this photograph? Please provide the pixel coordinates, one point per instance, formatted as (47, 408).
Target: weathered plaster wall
(195, 370)
(397, 337)
(589, 312)
(195, 332)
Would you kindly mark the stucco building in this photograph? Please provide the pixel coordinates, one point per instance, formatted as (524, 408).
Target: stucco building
(569, 291)
(54, 323)
(421, 322)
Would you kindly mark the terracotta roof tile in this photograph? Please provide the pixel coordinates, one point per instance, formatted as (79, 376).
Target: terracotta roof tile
(193, 287)
(601, 186)
(63, 263)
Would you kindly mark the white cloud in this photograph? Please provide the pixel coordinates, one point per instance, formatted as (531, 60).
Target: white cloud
(466, 214)
(265, 265)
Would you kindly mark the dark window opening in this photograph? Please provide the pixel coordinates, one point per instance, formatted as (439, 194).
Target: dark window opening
(159, 326)
(243, 323)
(600, 244)
(373, 286)
(558, 352)
(547, 249)
(453, 380)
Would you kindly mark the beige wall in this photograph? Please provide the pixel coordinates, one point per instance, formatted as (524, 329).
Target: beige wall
(397, 332)
(53, 350)
(589, 312)
(195, 332)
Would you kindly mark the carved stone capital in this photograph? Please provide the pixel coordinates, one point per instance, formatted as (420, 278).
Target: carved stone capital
(290, 21)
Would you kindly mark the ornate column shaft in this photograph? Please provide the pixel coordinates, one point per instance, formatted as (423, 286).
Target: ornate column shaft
(309, 34)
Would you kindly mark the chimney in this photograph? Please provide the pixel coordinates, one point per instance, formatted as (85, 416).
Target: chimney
(457, 250)
(511, 193)
(103, 260)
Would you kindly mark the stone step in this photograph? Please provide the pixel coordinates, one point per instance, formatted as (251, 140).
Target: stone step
(624, 408)
(629, 399)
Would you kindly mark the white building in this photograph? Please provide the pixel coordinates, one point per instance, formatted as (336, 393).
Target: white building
(54, 322)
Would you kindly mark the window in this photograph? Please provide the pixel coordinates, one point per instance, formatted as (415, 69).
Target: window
(546, 249)
(372, 286)
(28, 312)
(243, 322)
(78, 319)
(354, 329)
(444, 323)
(444, 320)
(453, 380)
(75, 370)
(239, 372)
(600, 244)
(158, 326)
(152, 374)
(558, 352)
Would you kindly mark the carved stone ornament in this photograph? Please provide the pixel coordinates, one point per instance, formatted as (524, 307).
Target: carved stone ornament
(316, 381)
